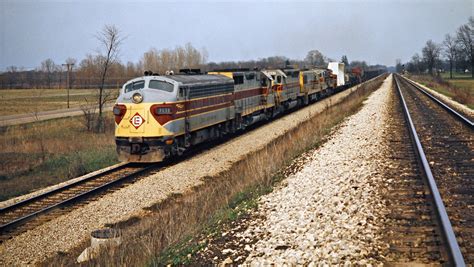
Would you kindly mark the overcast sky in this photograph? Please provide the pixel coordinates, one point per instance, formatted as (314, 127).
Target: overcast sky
(376, 31)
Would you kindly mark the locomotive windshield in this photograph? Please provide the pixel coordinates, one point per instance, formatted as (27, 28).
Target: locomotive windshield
(161, 85)
(134, 86)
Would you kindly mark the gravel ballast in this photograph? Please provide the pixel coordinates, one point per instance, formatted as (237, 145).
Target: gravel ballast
(330, 211)
(64, 233)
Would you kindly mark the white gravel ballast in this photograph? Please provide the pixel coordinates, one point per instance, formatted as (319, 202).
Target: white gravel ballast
(330, 211)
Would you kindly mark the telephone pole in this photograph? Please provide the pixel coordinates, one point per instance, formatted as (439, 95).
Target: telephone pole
(69, 68)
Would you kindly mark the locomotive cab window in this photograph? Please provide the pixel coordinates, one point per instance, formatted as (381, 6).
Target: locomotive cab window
(278, 79)
(250, 76)
(161, 85)
(134, 86)
(239, 79)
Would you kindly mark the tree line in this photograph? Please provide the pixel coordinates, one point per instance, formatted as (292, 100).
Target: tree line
(88, 73)
(313, 59)
(455, 53)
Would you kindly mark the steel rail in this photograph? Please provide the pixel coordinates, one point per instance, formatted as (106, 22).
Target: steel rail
(24, 219)
(465, 120)
(448, 232)
(56, 190)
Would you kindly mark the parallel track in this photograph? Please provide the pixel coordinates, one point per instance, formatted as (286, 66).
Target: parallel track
(411, 230)
(30, 212)
(458, 114)
(444, 144)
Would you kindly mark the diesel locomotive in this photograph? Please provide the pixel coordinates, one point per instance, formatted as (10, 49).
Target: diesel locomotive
(159, 116)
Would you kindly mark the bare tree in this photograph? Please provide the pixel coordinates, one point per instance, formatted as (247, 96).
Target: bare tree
(193, 56)
(431, 53)
(450, 50)
(110, 40)
(465, 37)
(315, 58)
(167, 59)
(130, 70)
(180, 57)
(173, 59)
(416, 61)
(48, 67)
(89, 110)
(151, 60)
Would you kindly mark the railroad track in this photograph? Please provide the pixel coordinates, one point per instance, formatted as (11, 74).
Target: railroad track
(444, 145)
(458, 114)
(34, 211)
(410, 230)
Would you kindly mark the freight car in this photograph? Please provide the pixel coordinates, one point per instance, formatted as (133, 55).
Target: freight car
(162, 116)
(374, 72)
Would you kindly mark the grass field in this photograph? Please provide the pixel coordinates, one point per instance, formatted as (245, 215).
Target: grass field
(456, 75)
(460, 88)
(39, 154)
(20, 101)
(461, 80)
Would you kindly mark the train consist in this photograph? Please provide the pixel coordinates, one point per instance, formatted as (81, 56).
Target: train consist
(162, 116)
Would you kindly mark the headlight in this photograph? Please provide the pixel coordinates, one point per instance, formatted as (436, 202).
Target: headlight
(137, 98)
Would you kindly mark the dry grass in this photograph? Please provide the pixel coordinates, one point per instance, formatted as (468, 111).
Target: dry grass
(459, 89)
(180, 215)
(39, 154)
(20, 101)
